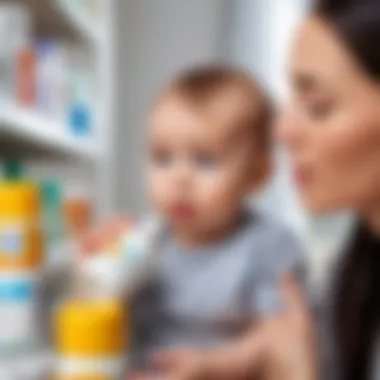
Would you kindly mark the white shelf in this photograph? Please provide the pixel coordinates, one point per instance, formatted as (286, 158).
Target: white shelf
(88, 27)
(46, 144)
(26, 126)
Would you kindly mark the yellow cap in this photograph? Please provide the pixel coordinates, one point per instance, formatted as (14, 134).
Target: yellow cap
(19, 199)
(91, 329)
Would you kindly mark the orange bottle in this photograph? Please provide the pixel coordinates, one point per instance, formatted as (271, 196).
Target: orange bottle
(26, 77)
(78, 210)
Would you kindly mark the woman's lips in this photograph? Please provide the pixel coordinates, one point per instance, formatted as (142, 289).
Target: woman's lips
(183, 212)
(302, 176)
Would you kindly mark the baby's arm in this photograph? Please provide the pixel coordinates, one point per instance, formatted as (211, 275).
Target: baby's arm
(270, 302)
(232, 362)
(244, 357)
(280, 347)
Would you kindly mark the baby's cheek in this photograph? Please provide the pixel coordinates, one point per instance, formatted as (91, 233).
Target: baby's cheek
(159, 191)
(218, 194)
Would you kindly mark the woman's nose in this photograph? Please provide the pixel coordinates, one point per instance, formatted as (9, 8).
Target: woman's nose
(288, 127)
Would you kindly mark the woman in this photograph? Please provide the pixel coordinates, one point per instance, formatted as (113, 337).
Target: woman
(332, 131)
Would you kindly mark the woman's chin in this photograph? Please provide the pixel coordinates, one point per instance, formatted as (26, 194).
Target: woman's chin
(322, 206)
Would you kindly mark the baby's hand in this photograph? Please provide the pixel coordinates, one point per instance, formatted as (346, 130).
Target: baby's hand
(104, 236)
(179, 365)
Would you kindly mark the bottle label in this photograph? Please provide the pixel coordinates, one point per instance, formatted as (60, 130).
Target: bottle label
(17, 308)
(109, 368)
(12, 240)
(16, 291)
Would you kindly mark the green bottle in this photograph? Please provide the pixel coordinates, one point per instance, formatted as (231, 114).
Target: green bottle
(53, 218)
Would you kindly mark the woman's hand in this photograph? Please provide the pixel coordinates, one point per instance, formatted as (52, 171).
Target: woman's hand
(180, 364)
(286, 344)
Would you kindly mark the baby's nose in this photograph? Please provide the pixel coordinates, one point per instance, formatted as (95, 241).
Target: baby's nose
(183, 173)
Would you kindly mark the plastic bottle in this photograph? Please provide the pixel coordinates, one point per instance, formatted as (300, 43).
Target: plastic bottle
(91, 325)
(52, 214)
(81, 110)
(26, 77)
(78, 208)
(21, 256)
(51, 79)
(15, 32)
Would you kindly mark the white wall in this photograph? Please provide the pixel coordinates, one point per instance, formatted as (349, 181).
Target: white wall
(260, 38)
(260, 34)
(156, 38)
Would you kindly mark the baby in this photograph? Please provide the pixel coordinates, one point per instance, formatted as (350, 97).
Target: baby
(209, 152)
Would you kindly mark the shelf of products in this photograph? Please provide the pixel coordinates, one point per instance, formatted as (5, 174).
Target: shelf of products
(56, 119)
(48, 84)
(29, 127)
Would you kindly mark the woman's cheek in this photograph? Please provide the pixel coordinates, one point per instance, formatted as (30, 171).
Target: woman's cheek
(344, 160)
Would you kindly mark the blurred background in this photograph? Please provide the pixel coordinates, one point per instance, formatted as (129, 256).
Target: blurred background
(77, 78)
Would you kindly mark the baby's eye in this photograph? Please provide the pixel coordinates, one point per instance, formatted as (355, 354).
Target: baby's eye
(206, 160)
(162, 158)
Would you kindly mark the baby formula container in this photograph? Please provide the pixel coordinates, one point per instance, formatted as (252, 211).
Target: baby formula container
(91, 326)
(21, 257)
(91, 340)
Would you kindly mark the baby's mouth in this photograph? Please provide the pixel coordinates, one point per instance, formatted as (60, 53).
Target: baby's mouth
(183, 211)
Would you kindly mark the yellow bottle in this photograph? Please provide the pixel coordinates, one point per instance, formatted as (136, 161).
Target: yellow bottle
(91, 328)
(21, 256)
(90, 341)
(21, 248)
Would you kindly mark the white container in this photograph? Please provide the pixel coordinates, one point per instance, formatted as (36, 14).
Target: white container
(52, 89)
(15, 34)
(18, 294)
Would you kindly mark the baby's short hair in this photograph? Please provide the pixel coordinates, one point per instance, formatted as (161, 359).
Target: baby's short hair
(201, 85)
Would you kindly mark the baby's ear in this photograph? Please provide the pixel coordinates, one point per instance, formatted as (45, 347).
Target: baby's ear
(262, 172)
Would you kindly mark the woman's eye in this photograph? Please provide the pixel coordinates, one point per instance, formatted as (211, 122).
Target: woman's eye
(318, 111)
(162, 158)
(206, 161)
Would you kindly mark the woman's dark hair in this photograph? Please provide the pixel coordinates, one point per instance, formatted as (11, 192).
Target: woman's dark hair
(357, 305)
(357, 22)
(357, 298)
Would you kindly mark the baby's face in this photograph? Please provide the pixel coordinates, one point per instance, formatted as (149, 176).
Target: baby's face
(199, 169)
